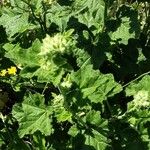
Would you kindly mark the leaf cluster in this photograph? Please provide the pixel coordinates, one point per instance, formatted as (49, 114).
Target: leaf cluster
(81, 76)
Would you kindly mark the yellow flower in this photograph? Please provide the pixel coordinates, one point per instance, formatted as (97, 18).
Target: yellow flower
(12, 70)
(3, 72)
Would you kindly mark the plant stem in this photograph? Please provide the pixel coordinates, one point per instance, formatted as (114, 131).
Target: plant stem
(136, 78)
(34, 16)
(44, 88)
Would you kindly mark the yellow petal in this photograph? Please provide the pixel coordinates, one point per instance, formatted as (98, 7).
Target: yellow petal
(3, 72)
(12, 70)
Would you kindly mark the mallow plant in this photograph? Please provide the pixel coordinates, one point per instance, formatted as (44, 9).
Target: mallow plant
(74, 75)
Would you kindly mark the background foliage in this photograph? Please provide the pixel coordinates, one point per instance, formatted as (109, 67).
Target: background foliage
(74, 74)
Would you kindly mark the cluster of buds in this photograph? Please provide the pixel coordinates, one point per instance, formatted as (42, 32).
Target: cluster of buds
(45, 64)
(4, 2)
(58, 43)
(58, 101)
(67, 82)
(10, 71)
(49, 1)
(141, 100)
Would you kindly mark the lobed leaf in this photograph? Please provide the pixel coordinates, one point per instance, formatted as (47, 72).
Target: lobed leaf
(33, 115)
(91, 13)
(15, 23)
(94, 85)
(96, 140)
(140, 92)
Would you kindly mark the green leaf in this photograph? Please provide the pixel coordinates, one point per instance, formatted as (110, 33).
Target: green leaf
(23, 57)
(140, 92)
(123, 33)
(81, 56)
(60, 112)
(33, 115)
(39, 141)
(52, 69)
(96, 140)
(15, 23)
(129, 27)
(60, 16)
(46, 68)
(94, 85)
(138, 112)
(63, 115)
(93, 117)
(94, 14)
(52, 74)
(28, 71)
(73, 131)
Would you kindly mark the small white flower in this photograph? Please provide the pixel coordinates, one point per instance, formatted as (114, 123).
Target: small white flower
(58, 100)
(66, 84)
(57, 43)
(46, 65)
(47, 46)
(141, 99)
(49, 1)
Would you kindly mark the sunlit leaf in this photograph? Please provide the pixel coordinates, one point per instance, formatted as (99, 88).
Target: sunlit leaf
(32, 115)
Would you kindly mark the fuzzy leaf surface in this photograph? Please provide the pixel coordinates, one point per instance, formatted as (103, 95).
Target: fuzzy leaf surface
(96, 140)
(94, 14)
(94, 85)
(33, 115)
(15, 23)
(140, 92)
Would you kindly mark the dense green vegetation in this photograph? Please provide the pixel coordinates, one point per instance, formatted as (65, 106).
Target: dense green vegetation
(74, 75)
